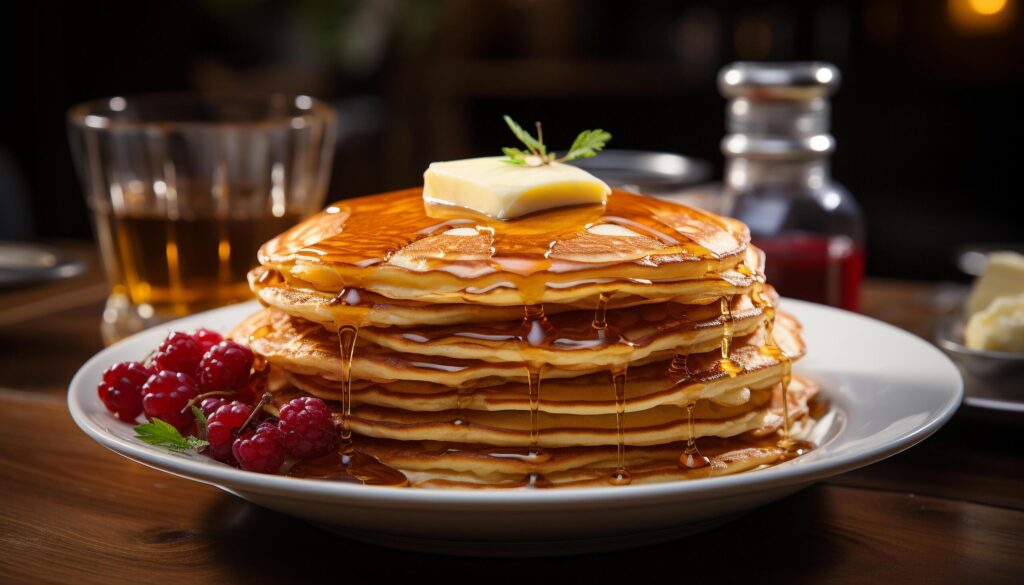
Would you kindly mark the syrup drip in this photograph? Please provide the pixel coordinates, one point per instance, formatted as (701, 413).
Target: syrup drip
(533, 456)
(728, 366)
(270, 277)
(603, 333)
(692, 457)
(620, 476)
(349, 466)
(535, 330)
(601, 312)
(678, 369)
(533, 379)
(347, 335)
(771, 349)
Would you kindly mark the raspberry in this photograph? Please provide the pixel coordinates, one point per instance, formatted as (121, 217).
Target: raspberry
(178, 353)
(221, 427)
(259, 450)
(307, 427)
(166, 394)
(206, 338)
(210, 405)
(121, 389)
(225, 367)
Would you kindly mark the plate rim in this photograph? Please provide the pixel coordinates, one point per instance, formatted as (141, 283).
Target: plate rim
(226, 477)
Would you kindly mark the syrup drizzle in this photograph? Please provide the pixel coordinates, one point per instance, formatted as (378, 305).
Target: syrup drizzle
(348, 464)
(365, 231)
(728, 366)
(347, 335)
(692, 458)
(533, 381)
(618, 372)
(620, 476)
(270, 277)
(773, 350)
(534, 331)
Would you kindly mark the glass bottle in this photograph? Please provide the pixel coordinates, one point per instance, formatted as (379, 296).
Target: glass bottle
(777, 179)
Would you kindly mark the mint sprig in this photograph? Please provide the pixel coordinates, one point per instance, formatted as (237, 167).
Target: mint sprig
(587, 144)
(160, 433)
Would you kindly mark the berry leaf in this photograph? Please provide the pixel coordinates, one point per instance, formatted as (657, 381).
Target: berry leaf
(587, 144)
(164, 434)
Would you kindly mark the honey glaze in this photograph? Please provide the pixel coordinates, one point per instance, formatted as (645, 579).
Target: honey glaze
(374, 228)
(270, 277)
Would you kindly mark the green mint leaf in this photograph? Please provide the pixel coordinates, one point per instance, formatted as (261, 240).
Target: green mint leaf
(201, 419)
(515, 156)
(161, 433)
(526, 138)
(587, 144)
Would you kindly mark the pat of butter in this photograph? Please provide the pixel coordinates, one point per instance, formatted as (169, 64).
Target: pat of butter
(999, 327)
(506, 191)
(1004, 276)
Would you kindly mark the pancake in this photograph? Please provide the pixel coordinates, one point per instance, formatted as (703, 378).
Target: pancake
(571, 347)
(390, 244)
(434, 464)
(300, 346)
(302, 300)
(570, 340)
(662, 424)
(648, 385)
(431, 464)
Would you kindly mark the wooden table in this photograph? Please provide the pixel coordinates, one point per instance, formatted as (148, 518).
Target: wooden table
(948, 511)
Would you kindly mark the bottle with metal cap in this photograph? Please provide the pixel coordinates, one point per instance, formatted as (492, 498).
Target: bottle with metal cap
(777, 179)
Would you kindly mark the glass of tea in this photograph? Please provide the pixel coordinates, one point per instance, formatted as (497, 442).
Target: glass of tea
(184, 188)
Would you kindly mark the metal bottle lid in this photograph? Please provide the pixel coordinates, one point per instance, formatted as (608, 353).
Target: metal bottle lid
(778, 110)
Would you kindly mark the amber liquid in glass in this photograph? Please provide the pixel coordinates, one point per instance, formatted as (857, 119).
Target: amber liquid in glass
(183, 265)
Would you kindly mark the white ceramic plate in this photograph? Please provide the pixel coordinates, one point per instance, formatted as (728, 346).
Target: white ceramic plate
(888, 389)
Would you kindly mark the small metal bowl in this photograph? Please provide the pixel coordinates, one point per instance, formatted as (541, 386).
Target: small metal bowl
(648, 172)
(992, 379)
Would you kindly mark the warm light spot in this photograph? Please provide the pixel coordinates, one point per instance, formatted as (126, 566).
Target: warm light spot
(982, 16)
(987, 7)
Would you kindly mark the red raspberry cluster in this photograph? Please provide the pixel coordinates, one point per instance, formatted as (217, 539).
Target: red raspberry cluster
(201, 369)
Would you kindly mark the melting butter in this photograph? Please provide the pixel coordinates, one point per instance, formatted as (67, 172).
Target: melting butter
(503, 191)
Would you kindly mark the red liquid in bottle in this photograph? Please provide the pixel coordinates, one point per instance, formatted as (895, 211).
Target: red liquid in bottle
(815, 268)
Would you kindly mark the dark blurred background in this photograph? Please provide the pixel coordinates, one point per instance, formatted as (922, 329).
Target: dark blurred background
(926, 120)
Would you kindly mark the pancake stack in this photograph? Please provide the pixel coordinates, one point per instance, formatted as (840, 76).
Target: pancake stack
(630, 342)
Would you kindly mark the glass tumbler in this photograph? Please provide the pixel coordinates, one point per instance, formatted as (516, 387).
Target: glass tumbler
(184, 188)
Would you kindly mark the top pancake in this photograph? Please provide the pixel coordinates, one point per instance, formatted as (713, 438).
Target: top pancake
(394, 245)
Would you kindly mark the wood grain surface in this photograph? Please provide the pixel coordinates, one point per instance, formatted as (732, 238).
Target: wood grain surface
(950, 510)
